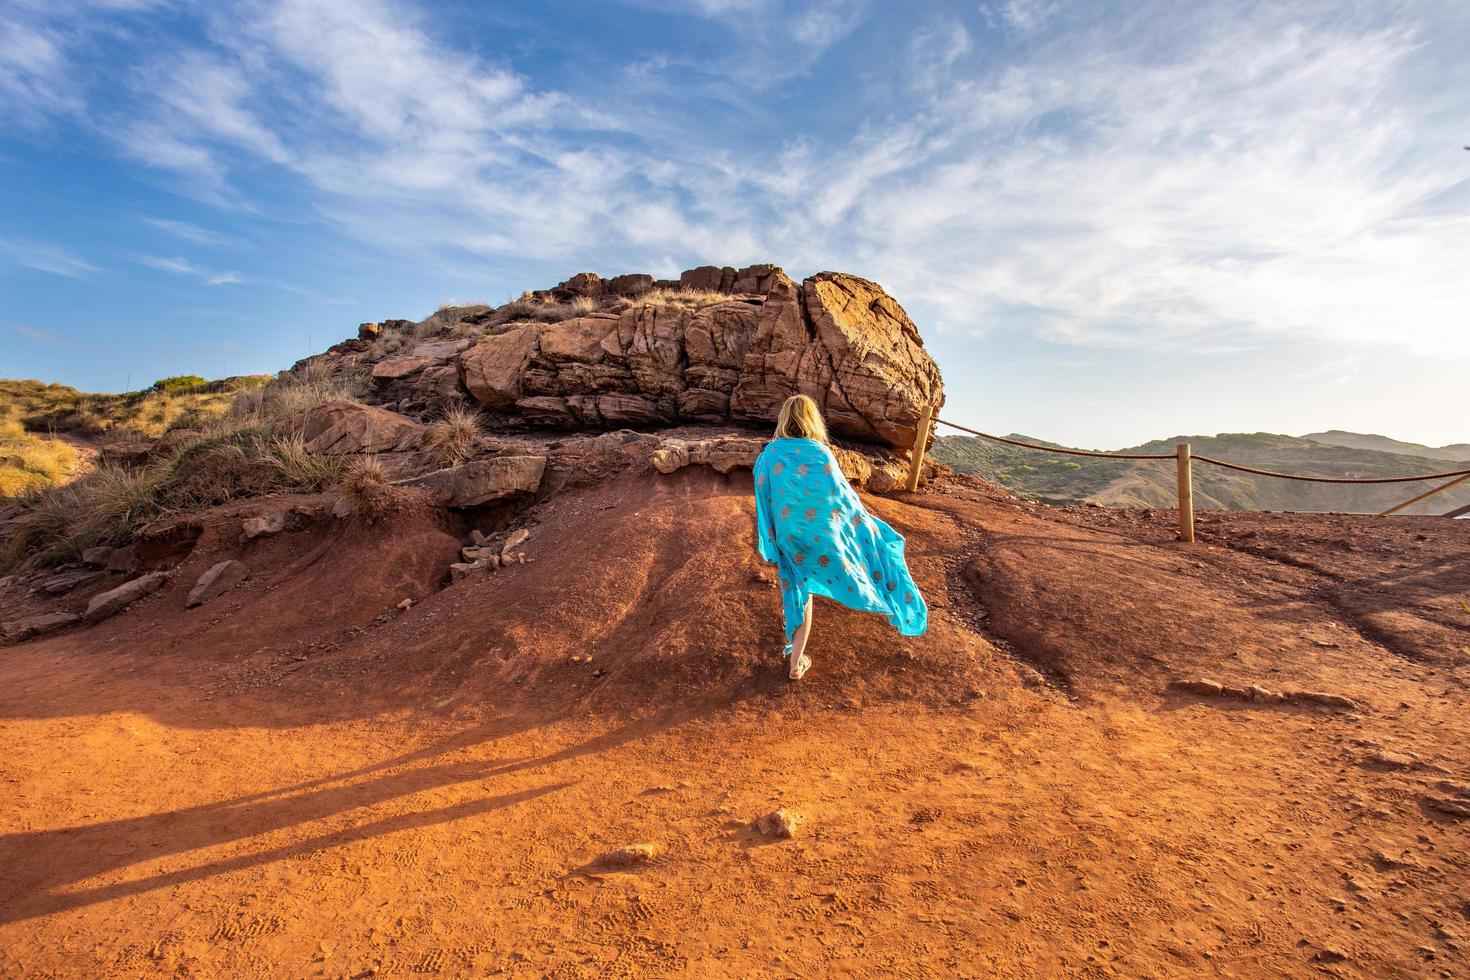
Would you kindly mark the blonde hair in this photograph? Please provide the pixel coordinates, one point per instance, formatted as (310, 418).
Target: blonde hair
(801, 419)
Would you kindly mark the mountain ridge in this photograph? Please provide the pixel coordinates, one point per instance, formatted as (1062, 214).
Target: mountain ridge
(1059, 479)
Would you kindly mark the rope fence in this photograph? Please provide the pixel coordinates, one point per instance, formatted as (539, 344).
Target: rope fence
(1184, 460)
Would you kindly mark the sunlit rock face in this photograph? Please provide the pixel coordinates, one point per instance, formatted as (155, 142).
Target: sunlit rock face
(836, 337)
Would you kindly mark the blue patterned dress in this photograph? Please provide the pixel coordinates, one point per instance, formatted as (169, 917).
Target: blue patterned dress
(810, 522)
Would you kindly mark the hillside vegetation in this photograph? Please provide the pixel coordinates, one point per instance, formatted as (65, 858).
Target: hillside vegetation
(32, 413)
(182, 402)
(1058, 479)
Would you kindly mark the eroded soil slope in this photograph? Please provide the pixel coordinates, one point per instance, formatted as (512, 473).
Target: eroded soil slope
(301, 779)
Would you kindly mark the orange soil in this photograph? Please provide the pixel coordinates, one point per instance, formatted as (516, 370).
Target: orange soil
(297, 780)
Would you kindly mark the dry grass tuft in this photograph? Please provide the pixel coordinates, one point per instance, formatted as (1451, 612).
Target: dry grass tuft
(102, 507)
(453, 435)
(365, 483)
(291, 392)
(107, 506)
(676, 298)
(299, 468)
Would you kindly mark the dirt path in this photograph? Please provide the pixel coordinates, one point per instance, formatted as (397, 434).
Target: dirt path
(165, 819)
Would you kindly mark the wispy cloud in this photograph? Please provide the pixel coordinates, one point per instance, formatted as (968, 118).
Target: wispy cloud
(180, 266)
(46, 257)
(42, 336)
(190, 232)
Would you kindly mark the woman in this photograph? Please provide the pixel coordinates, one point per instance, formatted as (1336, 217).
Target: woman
(823, 541)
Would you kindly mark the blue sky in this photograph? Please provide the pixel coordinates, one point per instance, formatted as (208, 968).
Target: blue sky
(1112, 222)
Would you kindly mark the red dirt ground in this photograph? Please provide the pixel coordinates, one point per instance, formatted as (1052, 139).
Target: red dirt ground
(298, 780)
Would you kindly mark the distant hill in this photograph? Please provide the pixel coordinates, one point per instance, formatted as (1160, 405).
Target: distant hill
(40, 424)
(1458, 453)
(1054, 478)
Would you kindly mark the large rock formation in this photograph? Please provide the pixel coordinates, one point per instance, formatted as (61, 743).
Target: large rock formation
(840, 339)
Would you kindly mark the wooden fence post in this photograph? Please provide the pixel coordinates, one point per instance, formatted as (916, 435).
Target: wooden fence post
(1186, 494)
(1429, 493)
(921, 442)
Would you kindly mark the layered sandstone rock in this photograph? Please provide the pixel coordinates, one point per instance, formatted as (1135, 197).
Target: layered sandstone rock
(840, 339)
(343, 427)
(483, 480)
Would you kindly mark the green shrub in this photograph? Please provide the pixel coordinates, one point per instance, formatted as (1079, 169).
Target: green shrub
(179, 382)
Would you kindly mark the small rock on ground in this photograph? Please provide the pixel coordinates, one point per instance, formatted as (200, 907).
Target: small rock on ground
(632, 854)
(259, 527)
(780, 823)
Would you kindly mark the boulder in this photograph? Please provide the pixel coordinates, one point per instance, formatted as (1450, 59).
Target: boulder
(344, 427)
(367, 331)
(116, 600)
(491, 371)
(214, 583)
(849, 345)
(840, 339)
(483, 480)
(24, 629)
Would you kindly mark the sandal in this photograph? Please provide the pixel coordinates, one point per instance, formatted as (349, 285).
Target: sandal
(799, 669)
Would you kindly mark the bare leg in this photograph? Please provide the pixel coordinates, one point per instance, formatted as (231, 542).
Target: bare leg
(798, 642)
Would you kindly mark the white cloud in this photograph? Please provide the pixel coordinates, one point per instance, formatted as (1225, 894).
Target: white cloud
(1021, 16)
(190, 232)
(46, 257)
(180, 266)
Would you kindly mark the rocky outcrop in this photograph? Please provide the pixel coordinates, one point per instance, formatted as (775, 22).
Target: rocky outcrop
(849, 345)
(840, 339)
(482, 480)
(343, 427)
